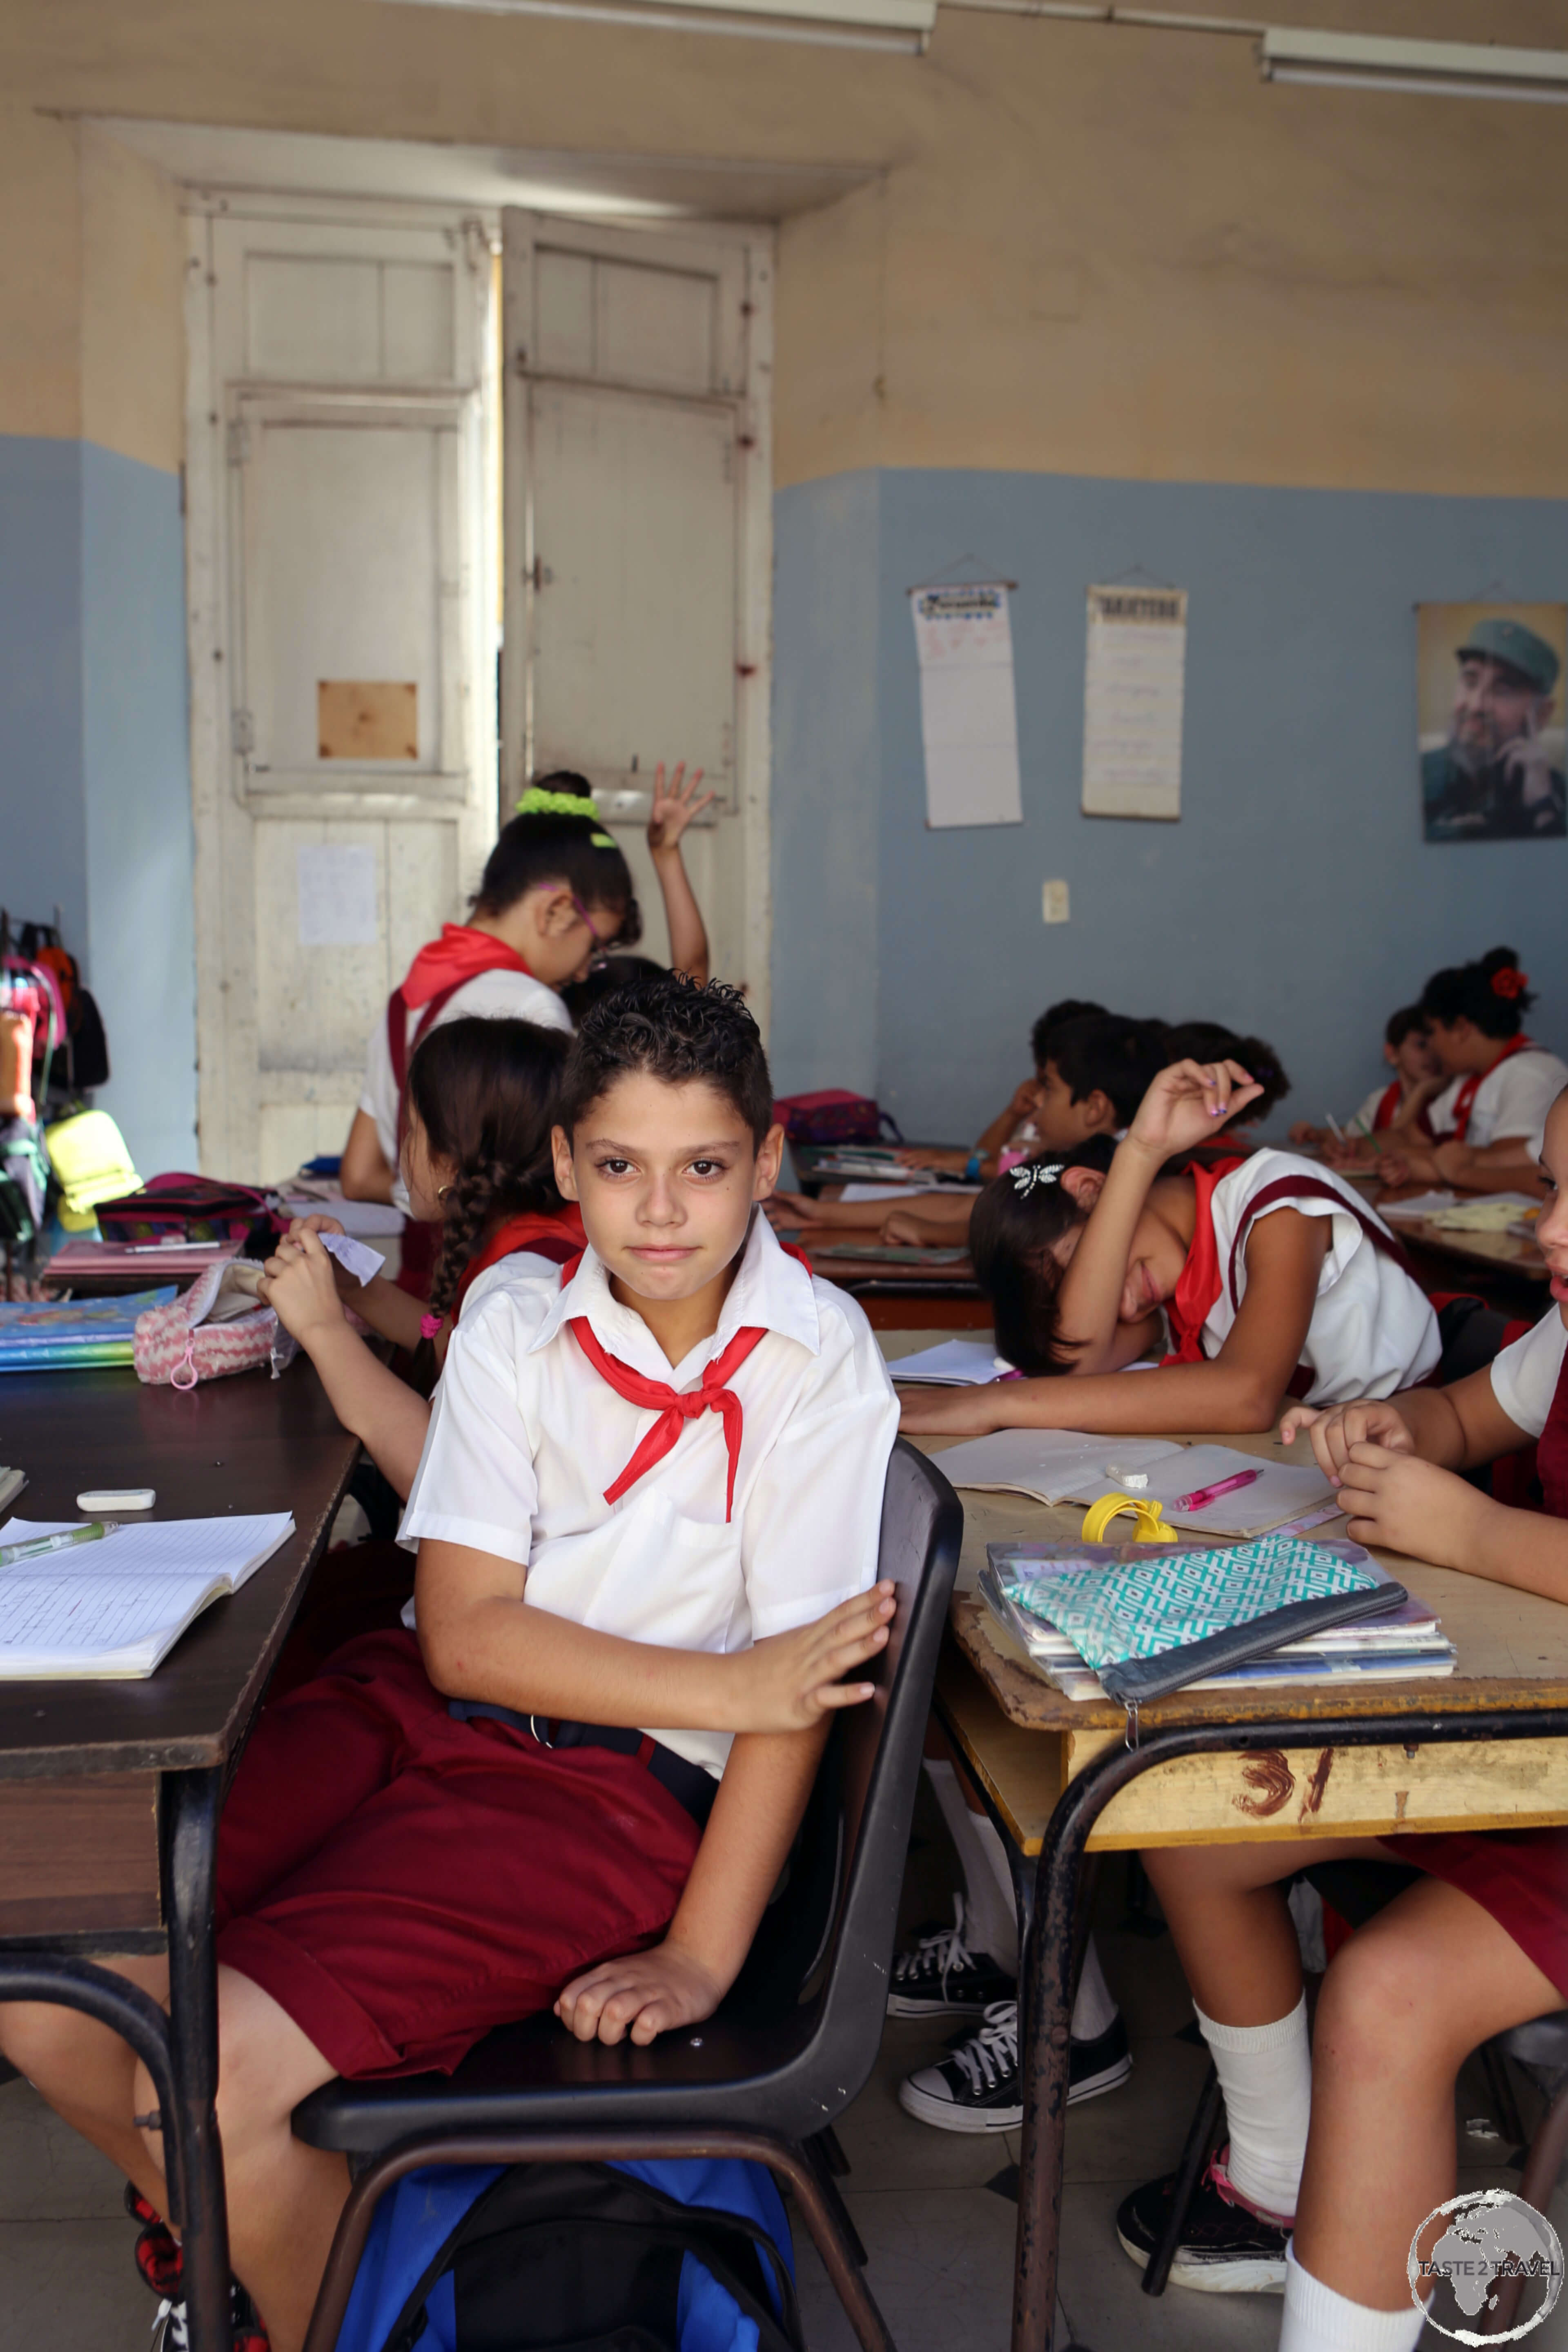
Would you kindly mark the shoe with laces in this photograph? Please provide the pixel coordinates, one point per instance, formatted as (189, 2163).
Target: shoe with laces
(1227, 2247)
(157, 2250)
(977, 2088)
(941, 1977)
(171, 2332)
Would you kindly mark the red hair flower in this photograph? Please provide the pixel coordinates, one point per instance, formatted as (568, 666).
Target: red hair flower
(1510, 981)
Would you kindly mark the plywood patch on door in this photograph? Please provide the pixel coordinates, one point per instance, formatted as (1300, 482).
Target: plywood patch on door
(367, 718)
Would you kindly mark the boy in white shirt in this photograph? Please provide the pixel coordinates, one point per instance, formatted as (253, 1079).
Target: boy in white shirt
(650, 1496)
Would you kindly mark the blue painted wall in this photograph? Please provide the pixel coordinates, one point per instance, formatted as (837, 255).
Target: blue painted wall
(136, 774)
(95, 803)
(1295, 898)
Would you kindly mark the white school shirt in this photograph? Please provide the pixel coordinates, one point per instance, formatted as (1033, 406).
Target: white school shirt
(1525, 1376)
(1373, 1329)
(488, 997)
(525, 1436)
(1513, 1098)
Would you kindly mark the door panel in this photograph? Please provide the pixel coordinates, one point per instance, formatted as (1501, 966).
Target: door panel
(634, 628)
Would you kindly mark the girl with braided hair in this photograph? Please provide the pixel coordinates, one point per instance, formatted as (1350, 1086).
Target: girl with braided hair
(481, 1100)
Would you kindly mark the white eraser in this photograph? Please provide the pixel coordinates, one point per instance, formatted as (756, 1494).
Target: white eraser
(355, 1257)
(1131, 1480)
(96, 1500)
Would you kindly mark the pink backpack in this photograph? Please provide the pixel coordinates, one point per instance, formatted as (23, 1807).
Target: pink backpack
(217, 1328)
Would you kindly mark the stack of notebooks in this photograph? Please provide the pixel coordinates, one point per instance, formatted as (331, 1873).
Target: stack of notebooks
(1132, 1622)
(73, 1334)
(79, 1263)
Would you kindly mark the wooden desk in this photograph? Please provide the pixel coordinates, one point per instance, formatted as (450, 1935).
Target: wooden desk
(1503, 1258)
(110, 1791)
(1487, 1749)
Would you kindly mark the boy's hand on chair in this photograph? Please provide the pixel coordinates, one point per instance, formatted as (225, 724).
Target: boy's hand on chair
(644, 1995)
(1410, 1505)
(1188, 1104)
(792, 1680)
(1334, 1433)
(300, 1282)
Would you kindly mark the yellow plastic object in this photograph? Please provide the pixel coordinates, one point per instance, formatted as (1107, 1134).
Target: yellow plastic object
(1148, 1526)
(88, 1154)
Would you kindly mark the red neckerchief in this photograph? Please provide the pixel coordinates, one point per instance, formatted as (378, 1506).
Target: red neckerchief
(554, 1233)
(674, 1409)
(1551, 1450)
(460, 954)
(1188, 1308)
(1464, 1101)
(1387, 1109)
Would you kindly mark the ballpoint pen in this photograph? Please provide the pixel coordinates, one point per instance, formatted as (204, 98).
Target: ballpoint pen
(35, 1546)
(1201, 1496)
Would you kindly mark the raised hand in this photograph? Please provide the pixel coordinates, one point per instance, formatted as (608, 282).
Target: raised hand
(1189, 1103)
(674, 806)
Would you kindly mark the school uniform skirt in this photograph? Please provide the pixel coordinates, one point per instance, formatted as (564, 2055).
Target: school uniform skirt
(401, 1881)
(1519, 1877)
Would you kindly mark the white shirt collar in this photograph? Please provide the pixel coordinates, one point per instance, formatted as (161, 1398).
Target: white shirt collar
(771, 1290)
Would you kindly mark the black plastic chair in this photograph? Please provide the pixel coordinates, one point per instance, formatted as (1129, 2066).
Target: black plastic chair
(791, 2044)
(1541, 2048)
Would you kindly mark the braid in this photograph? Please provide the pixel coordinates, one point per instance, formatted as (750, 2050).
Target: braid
(469, 1204)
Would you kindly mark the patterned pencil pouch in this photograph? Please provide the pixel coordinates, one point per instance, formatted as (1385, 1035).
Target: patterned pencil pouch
(1150, 1625)
(217, 1328)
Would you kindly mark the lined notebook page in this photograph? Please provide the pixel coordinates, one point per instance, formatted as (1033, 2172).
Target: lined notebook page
(231, 1549)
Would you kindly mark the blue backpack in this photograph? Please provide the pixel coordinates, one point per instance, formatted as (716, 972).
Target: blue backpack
(681, 2255)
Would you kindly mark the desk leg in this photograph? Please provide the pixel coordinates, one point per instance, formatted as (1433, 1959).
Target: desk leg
(192, 1801)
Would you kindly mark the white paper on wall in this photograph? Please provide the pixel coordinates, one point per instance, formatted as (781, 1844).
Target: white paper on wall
(337, 894)
(1133, 683)
(969, 724)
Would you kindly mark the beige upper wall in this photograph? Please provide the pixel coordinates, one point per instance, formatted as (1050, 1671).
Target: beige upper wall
(1093, 250)
(132, 337)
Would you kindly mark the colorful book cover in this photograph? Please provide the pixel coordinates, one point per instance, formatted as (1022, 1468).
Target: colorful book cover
(72, 1333)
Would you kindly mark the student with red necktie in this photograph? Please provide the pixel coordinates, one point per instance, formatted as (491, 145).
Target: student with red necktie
(1487, 1124)
(648, 1515)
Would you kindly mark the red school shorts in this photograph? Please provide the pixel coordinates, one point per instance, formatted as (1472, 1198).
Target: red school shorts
(1519, 1877)
(401, 1881)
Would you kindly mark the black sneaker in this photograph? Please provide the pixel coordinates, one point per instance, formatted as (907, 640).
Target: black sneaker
(942, 1977)
(171, 2329)
(976, 2090)
(1225, 2249)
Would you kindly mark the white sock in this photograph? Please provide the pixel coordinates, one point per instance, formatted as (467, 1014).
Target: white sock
(1317, 2320)
(1265, 2073)
(990, 1910)
(1094, 2010)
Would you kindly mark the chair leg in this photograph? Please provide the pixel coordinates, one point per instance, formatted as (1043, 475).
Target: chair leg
(590, 2145)
(1499, 2090)
(1195, 2155)
(821, 2163)
(832, 2148)
(1541, 2167)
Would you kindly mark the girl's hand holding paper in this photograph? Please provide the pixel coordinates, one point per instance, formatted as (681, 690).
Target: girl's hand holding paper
(300, 1283)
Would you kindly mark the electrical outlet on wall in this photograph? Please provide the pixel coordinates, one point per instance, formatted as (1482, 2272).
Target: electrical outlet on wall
(1054, 906)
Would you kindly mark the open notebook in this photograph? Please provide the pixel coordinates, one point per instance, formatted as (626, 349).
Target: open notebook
(115, 1608)
(1058, 1465)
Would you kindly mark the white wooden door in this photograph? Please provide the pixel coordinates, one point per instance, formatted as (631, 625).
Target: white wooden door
(339, 528)
(637, 544)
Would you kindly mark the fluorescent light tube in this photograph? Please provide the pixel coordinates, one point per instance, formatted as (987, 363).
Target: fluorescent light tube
(902, 26)
(1439, 68)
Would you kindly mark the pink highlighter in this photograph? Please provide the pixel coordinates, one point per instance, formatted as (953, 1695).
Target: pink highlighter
(1201, 1496)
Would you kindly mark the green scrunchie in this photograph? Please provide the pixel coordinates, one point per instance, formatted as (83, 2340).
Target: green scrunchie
(536, 801)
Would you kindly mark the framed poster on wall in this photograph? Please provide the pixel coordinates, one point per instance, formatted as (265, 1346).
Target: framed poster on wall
(1490, 720)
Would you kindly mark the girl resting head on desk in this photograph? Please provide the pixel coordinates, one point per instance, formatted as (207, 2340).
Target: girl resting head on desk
(476, 1158)
(1337, 2155)
(1250, 1278)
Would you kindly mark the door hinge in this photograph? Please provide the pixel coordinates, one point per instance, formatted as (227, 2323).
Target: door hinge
(541, 574)
(242, 732)
(238, 442)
